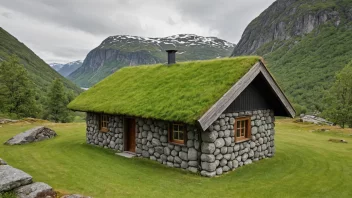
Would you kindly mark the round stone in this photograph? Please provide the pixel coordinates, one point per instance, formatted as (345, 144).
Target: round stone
(244, 157)
(219, 171)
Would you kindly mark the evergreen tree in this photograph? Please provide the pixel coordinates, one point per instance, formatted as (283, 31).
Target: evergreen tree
(17, 95)
(57, 102)
(339, 100)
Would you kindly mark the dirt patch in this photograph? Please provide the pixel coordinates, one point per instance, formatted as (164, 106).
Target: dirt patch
(337, 140)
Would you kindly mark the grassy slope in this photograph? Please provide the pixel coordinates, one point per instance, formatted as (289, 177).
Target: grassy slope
(41, 74)
(307, 68)
(305, 165)
(180, 92)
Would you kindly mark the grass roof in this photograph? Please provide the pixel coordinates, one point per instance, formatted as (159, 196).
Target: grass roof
(179, 92)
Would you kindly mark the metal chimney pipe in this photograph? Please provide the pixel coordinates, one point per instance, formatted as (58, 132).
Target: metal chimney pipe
(171, 56)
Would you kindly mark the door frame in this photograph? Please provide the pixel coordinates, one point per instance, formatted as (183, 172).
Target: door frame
(126, 135)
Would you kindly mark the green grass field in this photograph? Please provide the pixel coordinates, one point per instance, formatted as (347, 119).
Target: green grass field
(306, 164)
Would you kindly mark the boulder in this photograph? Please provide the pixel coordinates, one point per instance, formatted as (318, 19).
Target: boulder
(315, 119)
(33, 135)
(11, 178)
(37, 189)
(5, 121)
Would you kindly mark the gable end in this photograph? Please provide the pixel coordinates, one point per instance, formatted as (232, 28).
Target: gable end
(232, 94)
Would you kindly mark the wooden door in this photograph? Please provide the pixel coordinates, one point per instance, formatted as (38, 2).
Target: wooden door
(131, 135)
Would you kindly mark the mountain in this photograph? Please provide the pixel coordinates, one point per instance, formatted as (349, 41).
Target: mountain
(56, 66)
(70, 67)
(119, 51)
(40, 73)
(305, 42)
(66, 69)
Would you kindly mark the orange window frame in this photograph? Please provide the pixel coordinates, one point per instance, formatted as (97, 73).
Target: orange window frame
(242, 129)
(104, 122)
(177, 133)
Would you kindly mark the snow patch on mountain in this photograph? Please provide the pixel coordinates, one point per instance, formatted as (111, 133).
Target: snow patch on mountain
(175, 40)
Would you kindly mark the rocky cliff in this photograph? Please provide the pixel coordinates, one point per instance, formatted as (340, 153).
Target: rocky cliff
(123, 50)
(305, 42)
(285, 19)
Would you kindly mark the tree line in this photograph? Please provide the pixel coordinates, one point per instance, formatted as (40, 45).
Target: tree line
(338, 100)
(18, 96)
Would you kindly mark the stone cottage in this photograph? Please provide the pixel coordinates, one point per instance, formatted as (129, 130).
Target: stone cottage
(208, 116)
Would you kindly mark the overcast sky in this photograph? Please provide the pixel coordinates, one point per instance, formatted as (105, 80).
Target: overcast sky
(66, 30)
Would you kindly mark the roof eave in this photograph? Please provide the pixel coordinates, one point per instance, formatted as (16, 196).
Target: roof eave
(220, 106)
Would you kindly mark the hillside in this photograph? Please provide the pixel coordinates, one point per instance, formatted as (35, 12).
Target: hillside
(119, 51)
(68, 68)
(41, 74)
(304, 43)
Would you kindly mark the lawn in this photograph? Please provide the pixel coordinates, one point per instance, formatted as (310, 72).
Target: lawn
(306, 164)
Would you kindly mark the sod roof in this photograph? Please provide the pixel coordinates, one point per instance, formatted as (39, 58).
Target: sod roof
(179, 92)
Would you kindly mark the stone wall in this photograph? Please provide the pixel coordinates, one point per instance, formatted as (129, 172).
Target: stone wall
(152, 142)
(112, 139)
(220, 153)
(211, 153)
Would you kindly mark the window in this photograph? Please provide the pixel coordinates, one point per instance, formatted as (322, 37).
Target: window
(243, 129)
(104, 121)
(177, 133)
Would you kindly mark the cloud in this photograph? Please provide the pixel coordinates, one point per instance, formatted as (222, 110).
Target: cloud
(66, 30)
(6, 15)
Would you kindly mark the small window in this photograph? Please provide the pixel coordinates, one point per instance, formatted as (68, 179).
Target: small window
(104, 121)
(243, 129)
(177, 133)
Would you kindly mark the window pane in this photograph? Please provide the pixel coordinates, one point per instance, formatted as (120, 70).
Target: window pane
(180, 135)
(175, 127)
(175, 135)
(242, 132)
(238, 125)
(238, 133)
(180, 128)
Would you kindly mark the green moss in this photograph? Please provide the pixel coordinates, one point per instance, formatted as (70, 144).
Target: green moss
(180, 92)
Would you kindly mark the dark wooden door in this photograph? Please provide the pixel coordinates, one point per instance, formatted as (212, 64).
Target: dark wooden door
(131, 134)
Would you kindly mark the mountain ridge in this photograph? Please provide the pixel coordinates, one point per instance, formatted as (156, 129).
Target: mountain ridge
(119, 51)
(66, 68)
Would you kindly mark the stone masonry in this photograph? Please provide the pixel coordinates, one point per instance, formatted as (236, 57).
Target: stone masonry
(212, 152)
(152, 143)
(220, 152)
(112, 139)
